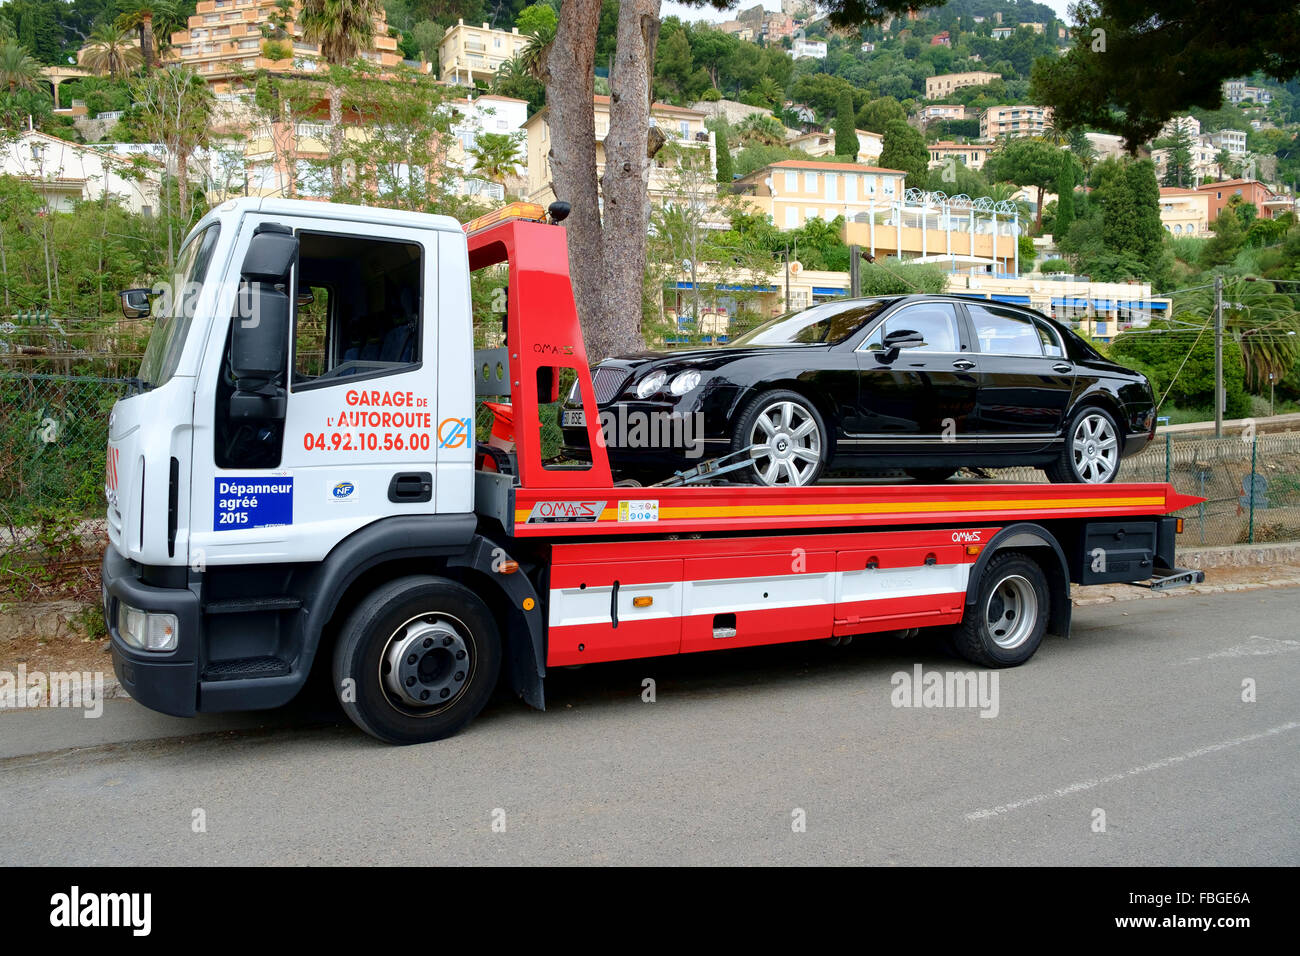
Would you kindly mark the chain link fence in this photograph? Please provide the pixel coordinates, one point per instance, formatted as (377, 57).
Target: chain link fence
(54, 431)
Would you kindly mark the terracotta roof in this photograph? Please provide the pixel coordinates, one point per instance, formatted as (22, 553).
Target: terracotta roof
(601, 98)
(1178, 191)
(847, 167)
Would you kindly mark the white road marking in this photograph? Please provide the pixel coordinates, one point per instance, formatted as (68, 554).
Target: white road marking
(1082, 785)
(1267, 645)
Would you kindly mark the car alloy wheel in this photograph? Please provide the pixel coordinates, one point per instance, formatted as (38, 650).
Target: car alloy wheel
(785, 444)
(1094, 449)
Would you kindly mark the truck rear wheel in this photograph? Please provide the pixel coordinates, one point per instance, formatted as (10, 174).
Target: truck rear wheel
(416, 660)
(1009, 618)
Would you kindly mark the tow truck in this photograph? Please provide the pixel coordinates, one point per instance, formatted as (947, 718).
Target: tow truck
(295, 487)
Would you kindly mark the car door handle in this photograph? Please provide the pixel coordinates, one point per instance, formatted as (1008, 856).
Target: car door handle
(1062, 367)
(411, 486)
(963, 364)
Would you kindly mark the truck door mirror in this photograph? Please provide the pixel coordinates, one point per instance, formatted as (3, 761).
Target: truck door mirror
(136, 303)
(259, 335)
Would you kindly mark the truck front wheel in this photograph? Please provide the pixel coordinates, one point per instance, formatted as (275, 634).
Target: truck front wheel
(1009, 617)
(416, 660)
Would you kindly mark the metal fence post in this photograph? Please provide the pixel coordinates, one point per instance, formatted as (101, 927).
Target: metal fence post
(1168, 452)
(1254, 444)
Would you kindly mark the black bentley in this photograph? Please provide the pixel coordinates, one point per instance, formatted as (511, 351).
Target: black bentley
(923, 383)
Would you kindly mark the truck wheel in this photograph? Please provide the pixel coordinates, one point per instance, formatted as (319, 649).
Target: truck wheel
(416, 660)
(1009, 618)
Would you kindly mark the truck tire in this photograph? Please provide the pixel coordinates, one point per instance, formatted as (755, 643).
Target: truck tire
(417, 660)
(1009, 618)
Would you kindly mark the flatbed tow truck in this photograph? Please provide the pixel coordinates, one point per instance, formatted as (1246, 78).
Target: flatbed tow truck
(297, 487)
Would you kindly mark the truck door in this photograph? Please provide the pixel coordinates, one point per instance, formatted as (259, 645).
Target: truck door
(361, 434)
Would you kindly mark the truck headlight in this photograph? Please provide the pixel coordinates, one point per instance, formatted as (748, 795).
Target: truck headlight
(684, 383)
(650, 384)
(147, 630)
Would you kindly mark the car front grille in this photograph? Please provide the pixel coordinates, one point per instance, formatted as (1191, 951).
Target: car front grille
(608, 382)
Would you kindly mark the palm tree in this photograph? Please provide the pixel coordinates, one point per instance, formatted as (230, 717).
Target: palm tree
(496, 156)
(18, 71)
(1263, 322)
(533, 56)
(342, 28)
(110, 51)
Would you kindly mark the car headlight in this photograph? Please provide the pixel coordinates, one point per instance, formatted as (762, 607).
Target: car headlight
(651, 384)
(684, 382)
(147, 630)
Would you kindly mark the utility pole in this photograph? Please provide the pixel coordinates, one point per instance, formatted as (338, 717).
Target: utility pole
(787, 278)
(1218, 356)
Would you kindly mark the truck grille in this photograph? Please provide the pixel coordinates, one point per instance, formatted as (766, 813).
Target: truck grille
(607, 382)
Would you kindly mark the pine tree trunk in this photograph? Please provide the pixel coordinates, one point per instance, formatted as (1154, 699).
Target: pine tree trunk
(626, 180)
(570, 87)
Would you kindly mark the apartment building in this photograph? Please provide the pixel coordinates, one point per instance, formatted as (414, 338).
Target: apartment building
(940, 111)
(971, 155)
(793, 191)
(683, 127)
(1269, 203)
(1185, 212)
(224, 42)
(1205, 161)
(811, 48)
(1012, 121)
(819, 143)
(65, 173)
(1236, 91)
(937, 87)
(1232, 141)
(468, 53)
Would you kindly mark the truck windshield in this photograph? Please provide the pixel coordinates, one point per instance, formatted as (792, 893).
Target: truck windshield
(176, 308)
(827, 324)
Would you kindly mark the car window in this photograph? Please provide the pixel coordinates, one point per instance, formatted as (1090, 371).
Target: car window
(1004, 332)
(829, 323)
(1050, 340)
(935, 321)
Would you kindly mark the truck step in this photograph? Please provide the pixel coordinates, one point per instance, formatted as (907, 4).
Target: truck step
(245, 668)
(252, 605)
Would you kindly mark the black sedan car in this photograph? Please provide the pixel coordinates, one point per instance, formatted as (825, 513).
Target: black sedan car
(923, 383)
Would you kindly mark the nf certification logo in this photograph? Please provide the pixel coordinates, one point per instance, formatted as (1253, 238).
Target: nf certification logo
(344, 489)
(453, 432)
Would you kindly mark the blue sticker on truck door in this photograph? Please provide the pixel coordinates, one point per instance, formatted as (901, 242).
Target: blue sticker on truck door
(251, 503)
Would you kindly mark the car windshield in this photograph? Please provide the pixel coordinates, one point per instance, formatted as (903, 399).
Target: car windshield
(829, 323)
(176, 308)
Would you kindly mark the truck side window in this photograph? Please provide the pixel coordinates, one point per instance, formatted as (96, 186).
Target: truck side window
(359, 308)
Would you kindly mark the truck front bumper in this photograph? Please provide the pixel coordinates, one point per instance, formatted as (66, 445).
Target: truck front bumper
(165, 681)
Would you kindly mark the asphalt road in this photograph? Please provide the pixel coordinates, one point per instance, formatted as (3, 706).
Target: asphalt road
(1140, 715)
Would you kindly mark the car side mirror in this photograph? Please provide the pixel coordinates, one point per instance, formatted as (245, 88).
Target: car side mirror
(136, 303)
(899, 339)
(259, 335)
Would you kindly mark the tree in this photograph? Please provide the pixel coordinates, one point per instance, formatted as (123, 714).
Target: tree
(1178, 162)
(538, 19)
(1027, 162)
(722, 136)
(878, 114)
(904, 149)
(497, 155)
(1229, 236)
(175, 107)
(1064, 199)
(1178, 357)
(110, 51)
(1125, 72)
(846, 132)
(342, 28)
(18, 71)
(141, 21)
(426, 35)
(1262, 321)
(1130, 214)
